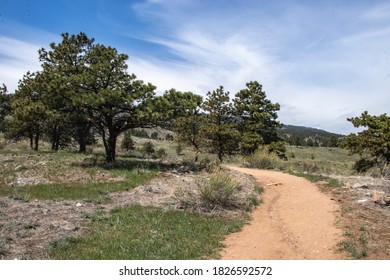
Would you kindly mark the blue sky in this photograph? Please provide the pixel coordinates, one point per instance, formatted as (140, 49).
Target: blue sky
(323, 61)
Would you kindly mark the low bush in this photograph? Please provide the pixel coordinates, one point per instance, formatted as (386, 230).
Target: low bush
(148, 148)
(161, 153)
(263, 159)
(220, 191)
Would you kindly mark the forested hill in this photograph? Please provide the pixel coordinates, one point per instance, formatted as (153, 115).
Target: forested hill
(307, 136)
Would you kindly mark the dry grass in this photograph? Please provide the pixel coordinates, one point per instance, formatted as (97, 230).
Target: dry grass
(366, 223)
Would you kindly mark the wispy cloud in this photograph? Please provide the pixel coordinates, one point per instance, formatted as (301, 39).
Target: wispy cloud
(378, 12)
(16, 58)
(321, 61)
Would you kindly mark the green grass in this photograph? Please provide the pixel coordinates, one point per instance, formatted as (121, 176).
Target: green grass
(148, 233)
(356, 245)
(97, 192)
(320, 159)
(331, 182)
(58, 167)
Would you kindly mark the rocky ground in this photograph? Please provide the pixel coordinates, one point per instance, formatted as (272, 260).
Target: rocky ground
(365, 216)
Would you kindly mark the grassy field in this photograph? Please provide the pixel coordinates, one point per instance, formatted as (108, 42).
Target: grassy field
(148, 233)
(51, 181)
(321, 159)
(313, 160)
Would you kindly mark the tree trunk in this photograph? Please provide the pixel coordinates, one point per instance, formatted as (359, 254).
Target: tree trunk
(82, 146)
(111, 149)
(82, 135)
(110, 146)
(36, 141)
(55, 141)
(31, 136)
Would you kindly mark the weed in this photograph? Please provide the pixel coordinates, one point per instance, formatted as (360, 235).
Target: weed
(31, 225)
(3, 203)
(63, 243)
(4, 248)
(362, 228)
(355, 246)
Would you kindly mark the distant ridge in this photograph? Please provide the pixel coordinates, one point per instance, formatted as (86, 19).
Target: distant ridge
(308, 136)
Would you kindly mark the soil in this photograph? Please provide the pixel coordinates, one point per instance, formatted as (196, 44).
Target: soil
(295, 221)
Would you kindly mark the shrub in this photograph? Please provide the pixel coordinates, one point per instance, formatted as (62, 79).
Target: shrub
(141, 133)
(179, 149)
(169, 137)
(154, 135)
(161, 153)
(127, 142)
(363, 165)
(220, 191)
(262, 159)
(148, 148)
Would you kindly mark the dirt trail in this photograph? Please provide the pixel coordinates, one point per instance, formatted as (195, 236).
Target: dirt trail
(295, 221)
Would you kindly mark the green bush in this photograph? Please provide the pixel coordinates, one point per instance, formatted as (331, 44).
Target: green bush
(263, 159)
(220, 191)
(148, 148)
(141, 133)
(127, 142)
(179, 149)
(154, 135)
(169, 137)
(161, 153)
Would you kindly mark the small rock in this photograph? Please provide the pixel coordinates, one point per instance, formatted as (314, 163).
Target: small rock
(79, 204)
(362, 201)
(375, 197)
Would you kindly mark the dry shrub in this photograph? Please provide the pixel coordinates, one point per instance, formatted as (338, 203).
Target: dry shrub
(220, 191)
(263, 159)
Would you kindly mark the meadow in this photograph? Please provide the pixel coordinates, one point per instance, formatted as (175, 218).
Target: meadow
(72, 200)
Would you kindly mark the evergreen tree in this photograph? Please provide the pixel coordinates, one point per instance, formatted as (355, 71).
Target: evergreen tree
(127, 142)
(63, 64)
(116, 99)
(5, 106)
(258, 114)
(374, 141)
(218, 126)
(29, 112)
(184, 111)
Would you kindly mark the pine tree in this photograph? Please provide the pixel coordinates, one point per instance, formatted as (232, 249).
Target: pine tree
(184, 111)
(219, 128)
(258, 114)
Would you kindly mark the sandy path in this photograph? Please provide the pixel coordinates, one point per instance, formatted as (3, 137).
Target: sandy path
(294, 221)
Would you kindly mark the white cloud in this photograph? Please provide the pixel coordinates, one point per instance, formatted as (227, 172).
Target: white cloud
(16, 58)
(321, 64)
(378, 12)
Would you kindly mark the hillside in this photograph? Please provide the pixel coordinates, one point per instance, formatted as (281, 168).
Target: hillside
(307, 136)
